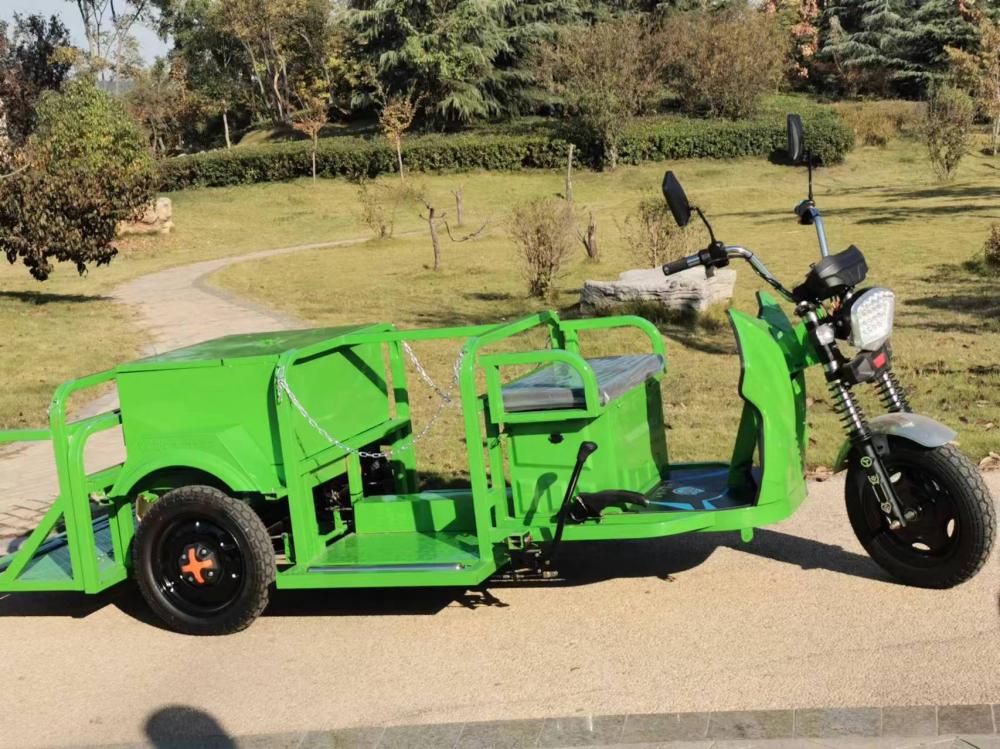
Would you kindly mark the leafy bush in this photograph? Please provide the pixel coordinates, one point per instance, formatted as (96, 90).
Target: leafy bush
(85, 169)
(947, 128)
(875, 123)
(544, 230)
(991, 249)
(652, 236)
(723, 63)
(651, 140)
(379, 204)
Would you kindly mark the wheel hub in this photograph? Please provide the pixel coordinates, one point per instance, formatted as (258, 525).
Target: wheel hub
(199, 565)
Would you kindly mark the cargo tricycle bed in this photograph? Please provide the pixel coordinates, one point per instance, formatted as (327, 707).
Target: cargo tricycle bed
(287, 460)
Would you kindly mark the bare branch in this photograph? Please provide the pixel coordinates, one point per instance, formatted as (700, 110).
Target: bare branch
(467, 237)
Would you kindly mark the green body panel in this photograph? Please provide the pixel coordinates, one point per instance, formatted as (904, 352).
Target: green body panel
(218, 412)
(632, 453)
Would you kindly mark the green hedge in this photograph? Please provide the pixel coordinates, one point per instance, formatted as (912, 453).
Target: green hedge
(675, 138)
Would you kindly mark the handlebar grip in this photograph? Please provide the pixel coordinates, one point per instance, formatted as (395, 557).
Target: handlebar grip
(676, 266)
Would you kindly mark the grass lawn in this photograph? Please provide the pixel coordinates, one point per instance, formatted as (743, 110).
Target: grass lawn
(916, 235)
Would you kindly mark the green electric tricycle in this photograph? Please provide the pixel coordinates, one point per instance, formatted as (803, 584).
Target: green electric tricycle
(286, 459)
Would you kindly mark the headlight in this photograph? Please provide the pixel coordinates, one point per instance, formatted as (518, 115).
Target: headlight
(871, 318)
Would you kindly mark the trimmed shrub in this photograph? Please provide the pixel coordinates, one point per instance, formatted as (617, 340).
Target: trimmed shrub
(654, 140)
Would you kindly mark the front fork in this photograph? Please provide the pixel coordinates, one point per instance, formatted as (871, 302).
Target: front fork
(870, 447)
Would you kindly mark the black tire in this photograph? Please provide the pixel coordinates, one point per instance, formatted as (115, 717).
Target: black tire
(955, 526)
(204, 561)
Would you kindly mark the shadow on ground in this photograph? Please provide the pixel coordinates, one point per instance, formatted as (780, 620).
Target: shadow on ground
(582, 563)
(43, 297)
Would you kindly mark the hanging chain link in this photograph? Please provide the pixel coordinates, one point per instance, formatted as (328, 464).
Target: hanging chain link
(446, 398)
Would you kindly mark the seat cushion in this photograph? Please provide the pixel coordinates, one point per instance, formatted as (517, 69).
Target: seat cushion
(558, 385)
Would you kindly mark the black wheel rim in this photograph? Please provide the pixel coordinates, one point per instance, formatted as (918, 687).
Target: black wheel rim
(933, 526)
(199, 565)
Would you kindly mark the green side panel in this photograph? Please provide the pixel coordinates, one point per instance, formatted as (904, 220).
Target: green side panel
(378, 549)
(631, 454)
(344, 390)
(799, 355)
(425, 512)
(222, 419)
(767, 383)
(791, 339)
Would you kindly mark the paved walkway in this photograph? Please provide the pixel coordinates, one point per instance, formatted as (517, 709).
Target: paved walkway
(176, 307)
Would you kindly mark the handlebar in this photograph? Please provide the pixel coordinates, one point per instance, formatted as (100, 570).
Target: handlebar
(676, 266)
(712, 257)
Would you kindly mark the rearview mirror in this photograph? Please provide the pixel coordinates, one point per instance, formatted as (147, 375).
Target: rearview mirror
(796, 138)
(676, 199)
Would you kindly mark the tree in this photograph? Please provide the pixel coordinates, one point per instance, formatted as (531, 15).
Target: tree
(869, 41)
(724, 80)
(979, 72)
(605, 74)
(160, 100)
(445, 51)
(311, 116)
(396, 113)
(217, 69)
(947, 128)
(107, 27)
(88, 169)
(283, 42)
(35, 58)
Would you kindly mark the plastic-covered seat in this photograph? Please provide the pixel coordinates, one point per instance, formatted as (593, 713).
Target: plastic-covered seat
(558, 385)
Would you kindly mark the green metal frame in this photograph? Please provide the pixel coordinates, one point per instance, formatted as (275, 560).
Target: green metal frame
(773, 355)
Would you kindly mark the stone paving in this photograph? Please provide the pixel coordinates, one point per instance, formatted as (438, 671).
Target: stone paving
(176, 307)
(907, 727)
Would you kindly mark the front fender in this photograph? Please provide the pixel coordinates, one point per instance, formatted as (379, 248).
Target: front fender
(919, 429)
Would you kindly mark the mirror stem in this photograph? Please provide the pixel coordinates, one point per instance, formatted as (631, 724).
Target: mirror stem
(704, 220)
(809, 164)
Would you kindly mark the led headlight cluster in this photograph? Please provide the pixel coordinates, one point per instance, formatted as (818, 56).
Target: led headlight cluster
(871, 318)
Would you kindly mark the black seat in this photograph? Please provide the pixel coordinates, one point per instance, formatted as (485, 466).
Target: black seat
(557, 385)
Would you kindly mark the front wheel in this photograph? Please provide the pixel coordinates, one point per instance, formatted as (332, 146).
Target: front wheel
(952, 521)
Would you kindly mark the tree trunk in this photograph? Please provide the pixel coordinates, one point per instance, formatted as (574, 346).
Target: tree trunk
(314, 144)
(590, 241)
(434, 237)
(569, 175)
(399, 158)
(611, 155)
(459, 206)
(996, 134)
(225, 127)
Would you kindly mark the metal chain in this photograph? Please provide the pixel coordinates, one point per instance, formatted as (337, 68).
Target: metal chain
(446, 399)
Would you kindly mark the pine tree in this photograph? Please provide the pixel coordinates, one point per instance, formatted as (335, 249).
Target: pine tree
(463, 58)
(868, 39)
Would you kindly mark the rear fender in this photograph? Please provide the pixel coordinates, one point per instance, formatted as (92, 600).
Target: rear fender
(918, 429)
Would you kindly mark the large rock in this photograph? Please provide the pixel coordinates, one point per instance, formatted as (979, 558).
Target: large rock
(156, 219)
(689, 289)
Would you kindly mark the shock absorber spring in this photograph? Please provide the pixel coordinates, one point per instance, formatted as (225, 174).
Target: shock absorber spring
(846, 406)
(891, 393)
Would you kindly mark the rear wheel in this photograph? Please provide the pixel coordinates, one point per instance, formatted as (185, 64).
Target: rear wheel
(951, 518)
(203, 561)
